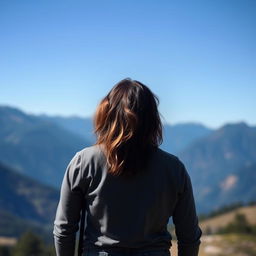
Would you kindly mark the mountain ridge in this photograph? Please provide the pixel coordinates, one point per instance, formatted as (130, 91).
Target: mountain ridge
(215, 159)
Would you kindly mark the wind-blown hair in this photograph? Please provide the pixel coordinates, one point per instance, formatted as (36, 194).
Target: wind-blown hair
(127, 124)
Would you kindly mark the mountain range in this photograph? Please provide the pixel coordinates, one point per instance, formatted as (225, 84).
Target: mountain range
(25, 204)
(175, 137)
(220, 164)
(35, 151)
(35, 147)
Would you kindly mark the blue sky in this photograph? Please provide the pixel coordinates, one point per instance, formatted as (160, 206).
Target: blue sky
(198, 57)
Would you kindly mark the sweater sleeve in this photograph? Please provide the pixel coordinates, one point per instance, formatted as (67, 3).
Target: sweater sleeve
(185, 218)
(67, 218)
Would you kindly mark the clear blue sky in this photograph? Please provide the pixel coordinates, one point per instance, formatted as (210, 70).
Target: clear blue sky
(199, 57)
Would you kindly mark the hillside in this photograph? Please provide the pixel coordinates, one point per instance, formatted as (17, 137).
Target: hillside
(75, 124)
(214, 223)
(238, 186)
(234, 244)
(217, 164)
(23, 198)
(12, 227)
(37, 148)
(179, 136)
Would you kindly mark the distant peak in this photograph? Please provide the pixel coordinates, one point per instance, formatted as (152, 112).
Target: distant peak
(236, 124)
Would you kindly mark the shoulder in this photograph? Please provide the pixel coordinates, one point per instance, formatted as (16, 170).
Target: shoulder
(90, 152)
(169, 158)
(176, 167)
(91, 157)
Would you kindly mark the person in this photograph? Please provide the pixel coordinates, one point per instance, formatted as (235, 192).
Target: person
(127, 184)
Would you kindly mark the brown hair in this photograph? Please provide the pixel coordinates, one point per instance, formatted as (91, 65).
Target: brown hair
(127, 124)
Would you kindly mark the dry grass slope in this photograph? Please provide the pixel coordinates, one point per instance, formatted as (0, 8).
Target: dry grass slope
(215, 223)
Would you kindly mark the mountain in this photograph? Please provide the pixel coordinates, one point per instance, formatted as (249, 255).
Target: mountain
(12, 226)
(175, 137)
(26, 198)
(25, 204)
(38, 148)
(75, 124)
(221, 162)
(218, 163)
(178, 136)
(238, 186)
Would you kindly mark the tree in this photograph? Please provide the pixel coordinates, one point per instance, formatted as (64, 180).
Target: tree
(238, 225)
(29, 244)
(5, 251)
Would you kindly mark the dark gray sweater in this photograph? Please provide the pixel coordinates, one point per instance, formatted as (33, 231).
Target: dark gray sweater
(129, 213)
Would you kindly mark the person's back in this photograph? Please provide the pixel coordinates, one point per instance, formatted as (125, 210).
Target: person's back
(126, 213)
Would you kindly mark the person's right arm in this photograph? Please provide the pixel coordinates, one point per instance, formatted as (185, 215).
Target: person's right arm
(185, 218)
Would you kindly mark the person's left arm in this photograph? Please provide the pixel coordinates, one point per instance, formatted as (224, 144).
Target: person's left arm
(67, 218)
